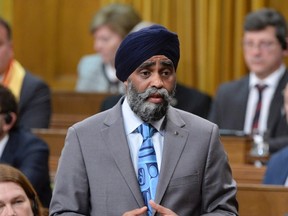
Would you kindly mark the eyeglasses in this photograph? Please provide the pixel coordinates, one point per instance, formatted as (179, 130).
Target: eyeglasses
(263, 46)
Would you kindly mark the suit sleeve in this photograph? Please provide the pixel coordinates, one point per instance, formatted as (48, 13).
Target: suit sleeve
(36, 112)
(219, 188)
(277, 171)
(33, 162)
(71, 190)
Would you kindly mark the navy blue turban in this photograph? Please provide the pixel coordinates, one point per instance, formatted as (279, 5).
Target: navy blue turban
(137, 47)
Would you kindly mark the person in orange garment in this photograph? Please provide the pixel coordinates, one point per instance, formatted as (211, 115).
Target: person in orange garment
(32, 94)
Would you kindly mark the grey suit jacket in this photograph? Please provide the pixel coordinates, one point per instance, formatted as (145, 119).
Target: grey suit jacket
(229, 109)
(96, 175)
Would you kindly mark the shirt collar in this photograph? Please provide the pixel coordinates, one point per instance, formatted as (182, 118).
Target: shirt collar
(272, 80)
(132, 121)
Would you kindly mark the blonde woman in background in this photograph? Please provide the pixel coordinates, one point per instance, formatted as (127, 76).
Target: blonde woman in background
(96, 72)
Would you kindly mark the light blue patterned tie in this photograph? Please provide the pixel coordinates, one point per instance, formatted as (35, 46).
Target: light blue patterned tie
(147, 165)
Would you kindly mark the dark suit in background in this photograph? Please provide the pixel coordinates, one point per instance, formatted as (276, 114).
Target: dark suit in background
(229, 110)
(265, 46)
(35, 103)
(29, 154)
(187, 99)
(277, 169)
(32, 94)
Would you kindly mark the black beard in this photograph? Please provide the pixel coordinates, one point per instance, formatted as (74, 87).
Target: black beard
(148, 112)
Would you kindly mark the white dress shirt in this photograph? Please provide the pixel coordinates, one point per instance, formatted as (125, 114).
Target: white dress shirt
(267, 95)
(3, 143)
(131, 122)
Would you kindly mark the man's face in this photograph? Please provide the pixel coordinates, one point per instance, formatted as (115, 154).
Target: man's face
(106, 43)
(150, 88)
(6, 50)
(262, 51)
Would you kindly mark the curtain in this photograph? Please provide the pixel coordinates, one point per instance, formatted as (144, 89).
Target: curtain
(6, 10)
(210, 33)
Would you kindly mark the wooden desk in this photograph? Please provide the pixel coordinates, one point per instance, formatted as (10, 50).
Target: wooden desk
(55, 140)
(262, 200)
(69, 107)
(64, 121)
(71, 102)
(247, 173)
(237, 148)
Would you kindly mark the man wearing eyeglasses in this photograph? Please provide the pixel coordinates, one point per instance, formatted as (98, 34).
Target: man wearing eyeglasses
(254, 104)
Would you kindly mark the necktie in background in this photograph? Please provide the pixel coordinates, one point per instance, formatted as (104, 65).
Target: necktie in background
(147, 165)
(255, 122)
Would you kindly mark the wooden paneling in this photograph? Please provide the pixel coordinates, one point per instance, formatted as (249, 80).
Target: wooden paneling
(70, 107)
(70, 102)
(247, 173)
(237, 148)
(6, 10)
(55, 140)
(51, 36)
(262, 200)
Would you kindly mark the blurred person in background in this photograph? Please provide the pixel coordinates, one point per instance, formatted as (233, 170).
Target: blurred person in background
(96, 72)
(254, 104)
(277, 169)
(22, 149)
(32, 94)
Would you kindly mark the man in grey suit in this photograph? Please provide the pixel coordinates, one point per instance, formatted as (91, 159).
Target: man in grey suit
(98, 168)
(265, 46)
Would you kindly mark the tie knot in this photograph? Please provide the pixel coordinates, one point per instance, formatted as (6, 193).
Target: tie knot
(146, 130)
(261, 87)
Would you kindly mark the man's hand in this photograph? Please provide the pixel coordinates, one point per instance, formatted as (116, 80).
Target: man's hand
(161, 209)
(136, 212)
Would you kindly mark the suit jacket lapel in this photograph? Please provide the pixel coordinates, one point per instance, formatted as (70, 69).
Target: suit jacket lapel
(113, 128)
(277, 103)
(175, 138)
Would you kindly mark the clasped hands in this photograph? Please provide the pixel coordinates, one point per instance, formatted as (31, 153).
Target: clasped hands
(159, 209)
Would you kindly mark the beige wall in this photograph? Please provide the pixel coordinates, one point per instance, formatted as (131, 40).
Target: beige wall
(50, 36)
